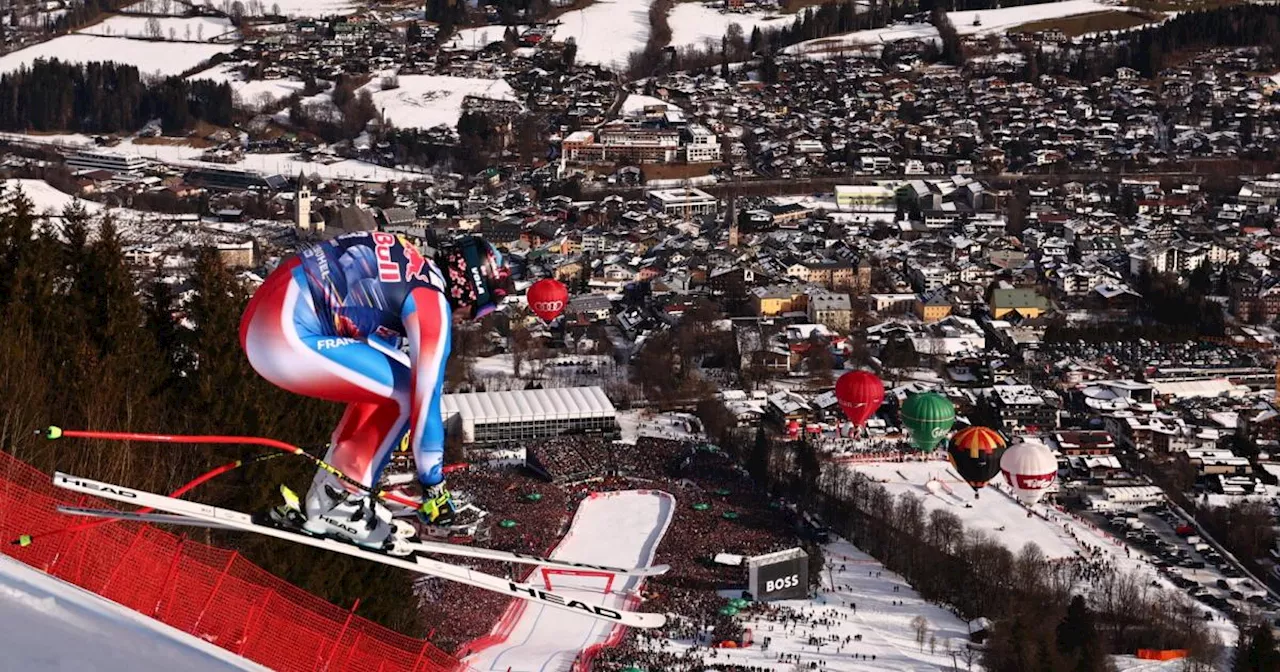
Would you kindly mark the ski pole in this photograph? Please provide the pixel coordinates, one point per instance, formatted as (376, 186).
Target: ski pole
(53, 433)
(28, 539)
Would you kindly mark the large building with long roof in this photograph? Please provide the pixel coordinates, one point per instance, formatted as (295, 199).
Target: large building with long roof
(486, 417)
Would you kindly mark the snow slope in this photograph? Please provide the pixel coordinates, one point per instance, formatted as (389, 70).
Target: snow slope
(427, 101)
(694, 23)
(858, 598)
(607, 31)
(251, 93)
(198, 29)
(864, 38)
(636, 102)
(47, 200)
(999, 20)
(991, 20)
(163, 58)
(617, 528)
(46, 624)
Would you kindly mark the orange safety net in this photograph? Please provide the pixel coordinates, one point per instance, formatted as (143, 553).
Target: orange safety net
(212, 593)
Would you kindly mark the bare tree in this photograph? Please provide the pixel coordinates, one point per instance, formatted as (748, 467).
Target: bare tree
(933, 644)
(921, 625)
(173, 33)
(153, 28)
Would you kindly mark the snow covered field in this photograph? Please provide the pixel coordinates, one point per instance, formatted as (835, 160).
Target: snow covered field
(997, 514)
(151, 58)
(48, 625)
(991, 20)
(475, 39)
(427, 101)
(694, 23)
(197, 29)
(607, 31)
(618, 528)
(184, 155)
(864, 38)
(312, 8)
(251, 94)
(1000, 20)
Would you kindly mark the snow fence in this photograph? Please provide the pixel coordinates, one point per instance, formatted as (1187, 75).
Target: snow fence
(209, 592)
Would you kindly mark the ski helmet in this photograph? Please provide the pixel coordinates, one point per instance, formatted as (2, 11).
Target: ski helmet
(478, 275)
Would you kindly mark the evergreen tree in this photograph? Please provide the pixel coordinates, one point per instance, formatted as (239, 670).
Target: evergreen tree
(1256, 651)
(1078, 638)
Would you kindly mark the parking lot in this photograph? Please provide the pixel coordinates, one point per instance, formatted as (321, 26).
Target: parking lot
(1196, 568)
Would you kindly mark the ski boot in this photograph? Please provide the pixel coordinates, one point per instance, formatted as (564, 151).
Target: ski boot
(331, 511)
(442, 515)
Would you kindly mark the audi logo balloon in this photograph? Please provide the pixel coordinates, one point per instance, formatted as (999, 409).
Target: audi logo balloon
(547, 298)
(1029, 468)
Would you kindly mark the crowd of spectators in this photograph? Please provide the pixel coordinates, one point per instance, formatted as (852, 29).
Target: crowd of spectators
(731, 516)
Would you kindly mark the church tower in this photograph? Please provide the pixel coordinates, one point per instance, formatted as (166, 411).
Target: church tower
(302, 207)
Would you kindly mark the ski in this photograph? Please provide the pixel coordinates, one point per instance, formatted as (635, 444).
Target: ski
(429, 547)
(238, 520)
(151, 518)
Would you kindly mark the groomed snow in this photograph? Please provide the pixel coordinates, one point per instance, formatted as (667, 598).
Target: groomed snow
(202, 29)
(607, 31)
(618, 529)
(427, 101)
(999, 20)
(251, 94)
(162, 58)
(695, 23)
(49, 625)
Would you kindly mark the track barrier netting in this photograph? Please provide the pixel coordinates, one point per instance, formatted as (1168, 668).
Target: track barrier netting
(212, 593)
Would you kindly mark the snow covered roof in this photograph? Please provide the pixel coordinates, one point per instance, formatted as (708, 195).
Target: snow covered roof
(566, 403)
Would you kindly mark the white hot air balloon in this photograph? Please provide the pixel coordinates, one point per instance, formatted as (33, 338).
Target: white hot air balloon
(1029, 468)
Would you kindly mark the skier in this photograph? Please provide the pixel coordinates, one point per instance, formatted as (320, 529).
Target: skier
(328, 324)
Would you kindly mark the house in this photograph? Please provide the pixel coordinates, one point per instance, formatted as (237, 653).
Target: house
(933, 306)
(832, 310)
(589, 308)
(1020, 300)
(778, 299)
(1023, 406)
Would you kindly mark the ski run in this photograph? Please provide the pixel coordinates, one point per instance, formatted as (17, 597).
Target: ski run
(242, 521)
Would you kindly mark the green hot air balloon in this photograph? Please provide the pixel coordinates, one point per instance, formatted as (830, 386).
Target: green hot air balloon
(929, 416)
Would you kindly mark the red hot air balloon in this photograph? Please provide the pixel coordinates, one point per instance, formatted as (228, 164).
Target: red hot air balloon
(860, 394)
(548, 298)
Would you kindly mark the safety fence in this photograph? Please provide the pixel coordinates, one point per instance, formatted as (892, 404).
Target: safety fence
(212, 593)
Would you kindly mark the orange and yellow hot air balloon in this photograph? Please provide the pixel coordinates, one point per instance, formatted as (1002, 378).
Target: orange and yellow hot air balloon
(975, 453)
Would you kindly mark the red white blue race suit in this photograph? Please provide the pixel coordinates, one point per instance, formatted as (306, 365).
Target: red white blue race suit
(327, 324)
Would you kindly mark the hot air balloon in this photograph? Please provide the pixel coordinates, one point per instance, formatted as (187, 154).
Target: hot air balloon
(860, 394)
(1029, 467)
(975, 453)
(548, 298)
(929, 416)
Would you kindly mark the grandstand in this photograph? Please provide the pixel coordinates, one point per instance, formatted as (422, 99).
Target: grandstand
(522, 415)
